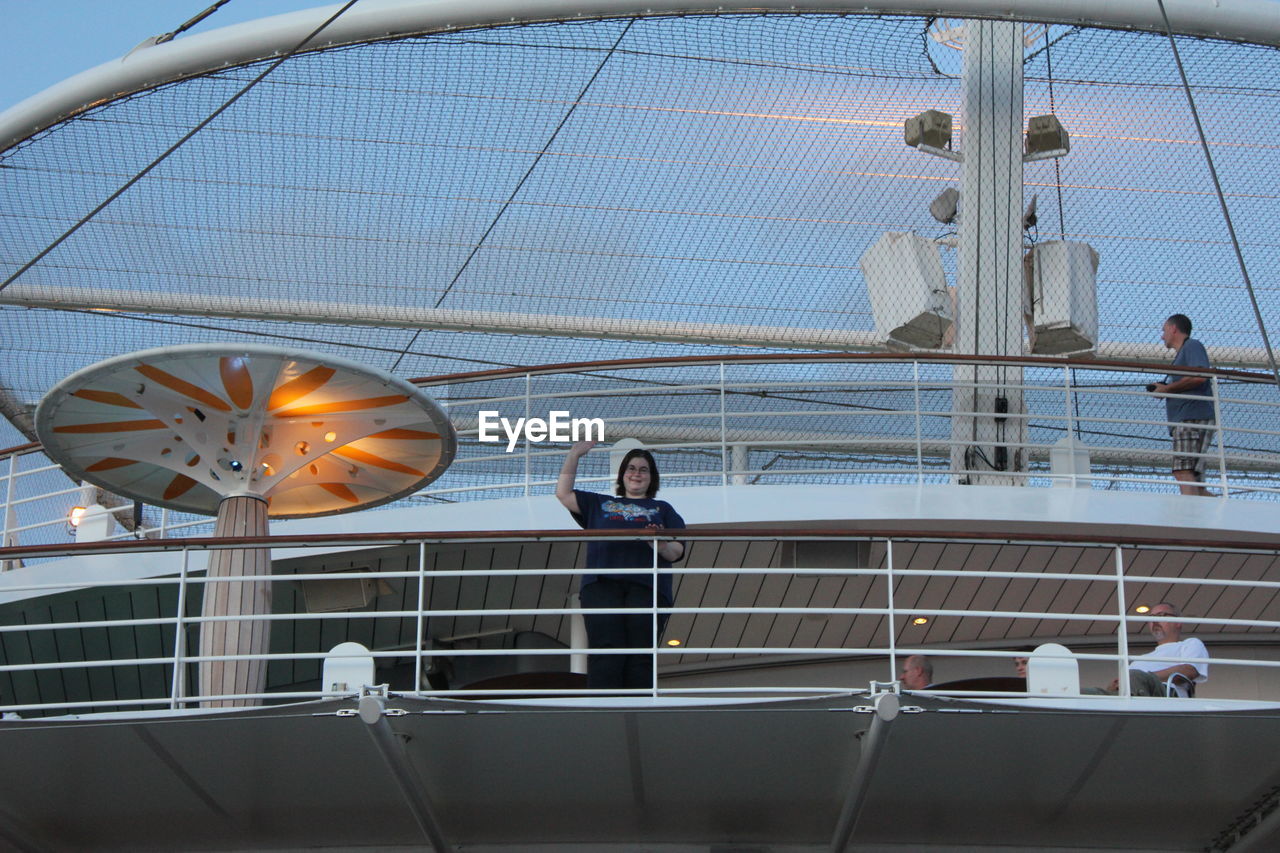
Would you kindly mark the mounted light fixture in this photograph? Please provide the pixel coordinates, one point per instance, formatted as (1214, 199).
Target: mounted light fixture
(920, 620)
(1046, 138)
(1142, 608)
(930, 127)
(74, 517)
(930, 131)
(944, 207)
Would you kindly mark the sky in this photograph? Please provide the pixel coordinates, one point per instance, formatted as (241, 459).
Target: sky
(46, 41)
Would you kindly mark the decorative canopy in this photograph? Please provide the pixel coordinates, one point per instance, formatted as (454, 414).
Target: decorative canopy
(185, 427)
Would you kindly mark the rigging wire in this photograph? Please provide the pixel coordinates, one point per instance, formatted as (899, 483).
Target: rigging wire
(534, 165)
(1217, 185)
(164, 156)
(1057, 161)
(1062, 223)
(191, 23)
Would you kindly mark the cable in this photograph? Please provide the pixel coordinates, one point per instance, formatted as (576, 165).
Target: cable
(156, 162)
(1057, 161)
(536, 160)
(191, 23)
(1217, 186)
(520, 183)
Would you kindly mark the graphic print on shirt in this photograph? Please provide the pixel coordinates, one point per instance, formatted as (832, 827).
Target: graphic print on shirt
(629, 512)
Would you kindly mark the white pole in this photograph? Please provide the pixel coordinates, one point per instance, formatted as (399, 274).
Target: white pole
(989, 261)
(8, 539)
(1221, 436)
(179, 688)
(417, 646)
(724, 437)
(577, 637)
(1123, 627)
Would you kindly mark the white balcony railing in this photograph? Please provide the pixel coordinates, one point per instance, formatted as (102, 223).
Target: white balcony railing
(63, 651)
(844, 418)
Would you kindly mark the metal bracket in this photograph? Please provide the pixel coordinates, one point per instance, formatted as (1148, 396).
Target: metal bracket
(944, 153)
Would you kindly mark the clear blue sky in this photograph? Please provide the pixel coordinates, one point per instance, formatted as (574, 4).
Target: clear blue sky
(46, 41)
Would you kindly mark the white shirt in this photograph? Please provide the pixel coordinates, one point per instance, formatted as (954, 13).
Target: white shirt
(1191, 647)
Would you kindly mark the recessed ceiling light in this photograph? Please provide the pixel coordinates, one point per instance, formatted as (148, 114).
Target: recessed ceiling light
(673, 642)
(920, 620)
(1142, 608)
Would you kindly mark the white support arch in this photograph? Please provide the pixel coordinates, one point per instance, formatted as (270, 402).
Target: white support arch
(150, 64)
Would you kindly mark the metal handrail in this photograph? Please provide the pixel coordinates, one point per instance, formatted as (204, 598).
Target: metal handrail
(909, 450)
(892, 647)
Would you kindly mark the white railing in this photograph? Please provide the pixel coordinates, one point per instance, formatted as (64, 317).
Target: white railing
(37, 645)
(861, 419)
(837, 419)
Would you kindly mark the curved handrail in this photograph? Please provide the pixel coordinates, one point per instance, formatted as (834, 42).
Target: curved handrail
(829, 357)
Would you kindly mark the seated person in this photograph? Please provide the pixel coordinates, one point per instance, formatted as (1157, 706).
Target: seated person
(1147, 677)
(1020, 662)
(917, 672)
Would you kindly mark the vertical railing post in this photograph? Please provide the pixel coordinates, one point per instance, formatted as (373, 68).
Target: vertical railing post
(10, 518)
(528, 393)
(177, 689)
(919, 437)
(893, 631)
(653, 624)
(1222, 435)
(741, 456)
(724, 435)
(1071, 424)
(417, 643)
(1122, 676)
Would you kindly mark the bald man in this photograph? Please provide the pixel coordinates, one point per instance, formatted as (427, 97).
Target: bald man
(917, 673)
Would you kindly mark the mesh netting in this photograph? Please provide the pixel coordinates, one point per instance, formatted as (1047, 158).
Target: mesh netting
(722, 173)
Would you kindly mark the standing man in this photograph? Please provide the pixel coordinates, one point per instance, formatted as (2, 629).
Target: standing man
(1190, 411)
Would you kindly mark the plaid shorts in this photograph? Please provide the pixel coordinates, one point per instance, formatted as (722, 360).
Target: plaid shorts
(1189, 440)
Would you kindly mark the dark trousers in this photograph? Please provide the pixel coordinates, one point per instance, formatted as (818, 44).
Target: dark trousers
(620, 631)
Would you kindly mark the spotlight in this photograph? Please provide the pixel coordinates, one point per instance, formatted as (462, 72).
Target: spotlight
(943, 208)
(931, 128)
(76, 516)
(1029, 218)
(1046, 137)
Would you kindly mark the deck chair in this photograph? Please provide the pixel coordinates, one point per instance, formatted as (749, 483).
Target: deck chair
(1053, 670)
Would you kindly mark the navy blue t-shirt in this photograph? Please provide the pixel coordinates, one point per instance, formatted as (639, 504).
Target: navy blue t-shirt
(1179, 408)
(606, 512)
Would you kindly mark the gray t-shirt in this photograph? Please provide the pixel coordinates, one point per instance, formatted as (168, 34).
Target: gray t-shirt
(1185, 406)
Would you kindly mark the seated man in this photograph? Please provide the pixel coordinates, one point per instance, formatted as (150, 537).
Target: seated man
(917, 673)
(1147, 677)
